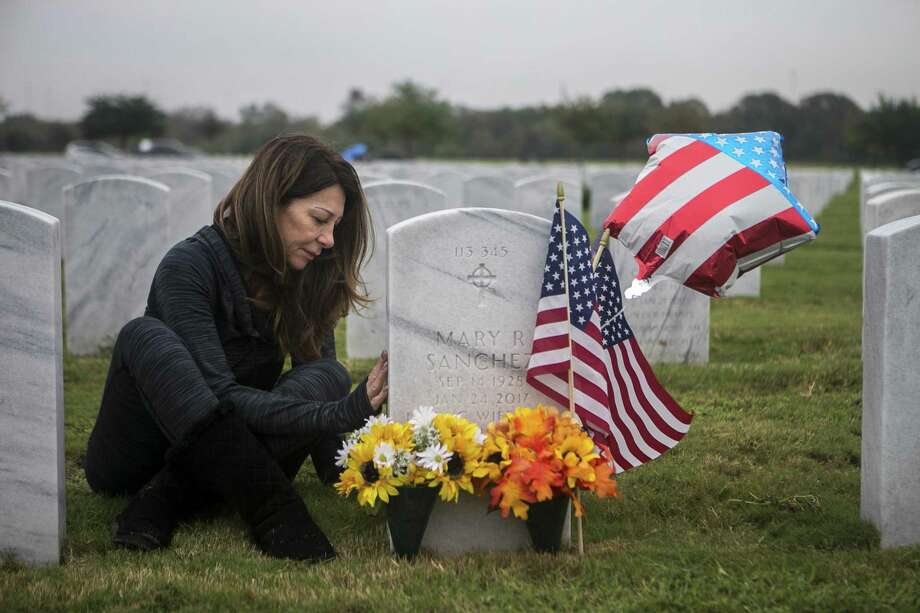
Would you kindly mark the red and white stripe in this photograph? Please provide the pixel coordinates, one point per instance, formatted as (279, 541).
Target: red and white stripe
(616, 393)
(722, 217)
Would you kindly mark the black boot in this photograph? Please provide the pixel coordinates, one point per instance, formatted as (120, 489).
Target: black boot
(228, 459)
(149, 520)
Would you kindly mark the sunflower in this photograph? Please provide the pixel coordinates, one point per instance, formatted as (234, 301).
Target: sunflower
(375, 464)
(462, 440)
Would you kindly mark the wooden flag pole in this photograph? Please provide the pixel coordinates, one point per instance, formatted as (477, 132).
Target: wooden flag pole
(605, 238)
(560, 196)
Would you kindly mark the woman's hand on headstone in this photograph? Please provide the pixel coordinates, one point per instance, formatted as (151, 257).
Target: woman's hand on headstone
(377, 382)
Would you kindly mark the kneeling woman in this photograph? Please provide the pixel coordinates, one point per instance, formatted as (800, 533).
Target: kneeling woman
(194, 406)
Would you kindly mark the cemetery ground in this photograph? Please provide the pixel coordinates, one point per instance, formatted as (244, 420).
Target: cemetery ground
(757, 509)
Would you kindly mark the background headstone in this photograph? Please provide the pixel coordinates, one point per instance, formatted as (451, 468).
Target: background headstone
(890, 460)
(449, 182)
(190, 204)
(497, 192)
(746, 286)
(389, 202)
(891, 206)
(463, 291)
(222, 181)
(116, 235)
(606, 184)
(875, 185)
(45, 188)
(90, 171)
(32, 513)
(538, 196)
(670, 321)
(6, 184)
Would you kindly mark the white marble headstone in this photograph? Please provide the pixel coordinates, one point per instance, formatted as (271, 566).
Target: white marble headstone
(604, 186)
(222, 181)
(32, 514)
(6, 184)
(497, 192)
(890, 206)
(449, 182)
(190, 204)
(367, 178)
(45, 188)
(462, 308)
(538, 197)
(389, 202)
(670, 321)
(878, 186)
(746, 286)
(890, 461)
(91, 171)
(116, 236)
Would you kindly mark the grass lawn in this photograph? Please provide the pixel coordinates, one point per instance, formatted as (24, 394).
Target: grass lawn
(757, 509)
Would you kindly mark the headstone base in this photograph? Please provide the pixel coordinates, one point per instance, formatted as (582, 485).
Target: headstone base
(454, 529)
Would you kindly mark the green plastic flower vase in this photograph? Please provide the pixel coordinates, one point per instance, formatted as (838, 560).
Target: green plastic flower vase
(407, 518)
(545, 522)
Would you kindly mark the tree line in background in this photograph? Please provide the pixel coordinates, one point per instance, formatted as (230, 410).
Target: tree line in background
(413, 121)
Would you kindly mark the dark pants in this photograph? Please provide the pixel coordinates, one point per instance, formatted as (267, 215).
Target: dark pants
(155, 394)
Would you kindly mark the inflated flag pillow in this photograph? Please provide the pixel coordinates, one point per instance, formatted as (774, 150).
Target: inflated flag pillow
(707, 208)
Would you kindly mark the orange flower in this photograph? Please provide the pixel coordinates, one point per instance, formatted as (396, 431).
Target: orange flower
(512, 495)
(604, 484)
(535, 454)
(577, 471)
(543, 476)
(533, 428)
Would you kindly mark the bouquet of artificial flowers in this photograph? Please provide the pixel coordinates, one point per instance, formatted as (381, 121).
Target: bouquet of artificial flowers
(536, 454)
(432, 449)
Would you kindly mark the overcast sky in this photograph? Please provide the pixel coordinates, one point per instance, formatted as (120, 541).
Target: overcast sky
(305, 55)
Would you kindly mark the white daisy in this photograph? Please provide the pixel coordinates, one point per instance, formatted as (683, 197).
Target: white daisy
(372, 421)
(435, 458)
(384, 454)
(422, 417)
(341, 456)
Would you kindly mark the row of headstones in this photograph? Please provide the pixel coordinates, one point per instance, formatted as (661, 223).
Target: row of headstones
(814, 187)
(606, 185)
(37, 181)
(480, 337)
(121, 252)
(115, 229)
(890, 459)
(193, 190)
(456, 345)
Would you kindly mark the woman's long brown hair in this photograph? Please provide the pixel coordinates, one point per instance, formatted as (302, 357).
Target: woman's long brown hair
(304, 305)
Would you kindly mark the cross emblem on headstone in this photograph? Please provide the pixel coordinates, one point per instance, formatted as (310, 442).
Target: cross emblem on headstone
(483, 279)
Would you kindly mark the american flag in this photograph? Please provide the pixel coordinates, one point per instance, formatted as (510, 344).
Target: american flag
(616, 394)
(708, 207)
